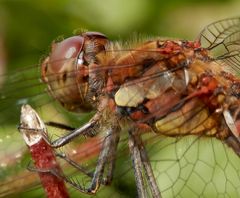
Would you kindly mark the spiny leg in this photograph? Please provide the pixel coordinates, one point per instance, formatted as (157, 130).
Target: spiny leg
(148, 170)
(107, 154)
(111, 162)
(140, 160)
(74, 164)
(59, 125)
(112, 157)
(85, 130)
(89, 129)
(137, 166)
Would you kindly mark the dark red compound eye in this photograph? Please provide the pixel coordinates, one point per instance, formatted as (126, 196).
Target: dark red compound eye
(67, 49)
(66, 69)
(94, 34)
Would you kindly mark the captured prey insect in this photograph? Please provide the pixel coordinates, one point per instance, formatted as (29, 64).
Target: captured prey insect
(173, 103)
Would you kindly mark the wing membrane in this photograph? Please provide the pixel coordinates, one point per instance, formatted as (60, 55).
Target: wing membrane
(222, 38)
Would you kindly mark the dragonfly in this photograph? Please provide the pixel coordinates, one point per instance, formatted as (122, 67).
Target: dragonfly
(150, 117)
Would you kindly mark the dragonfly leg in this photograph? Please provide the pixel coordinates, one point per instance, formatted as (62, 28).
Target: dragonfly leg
(137, 166)
(59, 125)
(111, 157)
(89, 129)
(45, 170)
(149, 172)
(107, 154)
(141, 161)
(84, 131)
(111, 164)
(74, 164)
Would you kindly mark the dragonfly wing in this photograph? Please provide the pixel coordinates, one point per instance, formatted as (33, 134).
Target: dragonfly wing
(222, 39)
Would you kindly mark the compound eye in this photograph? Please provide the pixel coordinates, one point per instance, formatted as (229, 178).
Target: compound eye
(94, 35)
(67, 49)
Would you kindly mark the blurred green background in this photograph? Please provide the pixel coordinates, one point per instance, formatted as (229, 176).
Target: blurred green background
(27, 27)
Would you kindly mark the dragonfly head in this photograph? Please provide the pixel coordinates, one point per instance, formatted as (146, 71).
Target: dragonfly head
(66, 69)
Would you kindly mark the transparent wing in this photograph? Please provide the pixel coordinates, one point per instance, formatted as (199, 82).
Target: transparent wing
(222, 38)
(195, 167)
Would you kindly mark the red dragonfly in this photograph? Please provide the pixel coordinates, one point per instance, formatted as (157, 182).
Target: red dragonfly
(163, 112)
